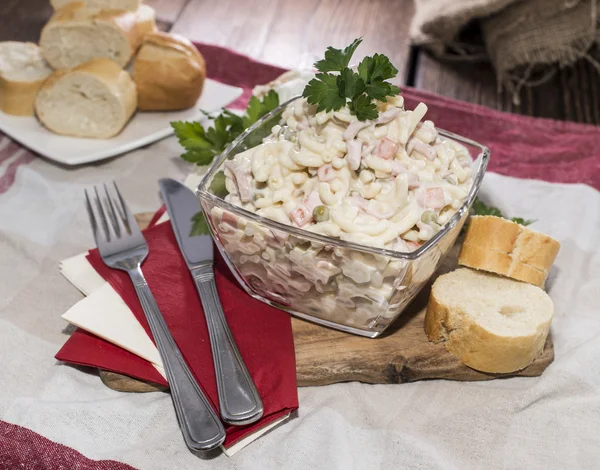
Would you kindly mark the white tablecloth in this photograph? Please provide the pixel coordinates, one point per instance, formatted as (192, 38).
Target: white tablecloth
(549, 422)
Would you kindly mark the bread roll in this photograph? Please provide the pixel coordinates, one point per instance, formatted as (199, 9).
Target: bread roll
(503, 247)
(490, 323)
(23, 70)
(169, 73)
(131, 5)
(95, 99)
(75, 35)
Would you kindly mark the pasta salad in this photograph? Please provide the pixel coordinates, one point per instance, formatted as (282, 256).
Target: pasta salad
(389, 183)
(348, 162)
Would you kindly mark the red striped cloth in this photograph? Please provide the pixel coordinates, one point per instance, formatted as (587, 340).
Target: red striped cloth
(521, 146)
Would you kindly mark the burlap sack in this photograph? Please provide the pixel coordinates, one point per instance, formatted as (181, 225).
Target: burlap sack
(524, 39)
(436, 23)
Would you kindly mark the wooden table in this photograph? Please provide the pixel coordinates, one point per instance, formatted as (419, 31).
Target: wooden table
(293, 33)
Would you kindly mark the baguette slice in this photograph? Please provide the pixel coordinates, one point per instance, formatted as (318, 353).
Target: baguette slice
(75, 35)
(95, 99)
(504, 247)
(490, 323)
(23, 70)
(131, 5)
(169, 73)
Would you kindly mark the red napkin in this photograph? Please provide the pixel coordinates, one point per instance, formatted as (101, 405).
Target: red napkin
(263, 333)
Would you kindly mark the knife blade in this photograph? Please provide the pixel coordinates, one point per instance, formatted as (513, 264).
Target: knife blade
(239, 400)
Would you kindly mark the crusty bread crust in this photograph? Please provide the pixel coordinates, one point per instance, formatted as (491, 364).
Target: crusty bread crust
(169, 73)
(114, 77)
(475, 346)
(57, 4)
(504, 247)
(17, 98)
(133, 24)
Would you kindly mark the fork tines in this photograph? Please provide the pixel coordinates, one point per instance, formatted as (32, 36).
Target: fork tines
(115, 217)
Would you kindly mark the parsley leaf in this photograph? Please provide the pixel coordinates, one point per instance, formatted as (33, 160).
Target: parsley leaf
(202, 145)
(521, 221)
(257, 108)
(199, 157)
(324, 92)
(481, 208)
(363, 107)
(199, 225)
(350, 84)
(357, 90)
(337, 60)
(376, 68)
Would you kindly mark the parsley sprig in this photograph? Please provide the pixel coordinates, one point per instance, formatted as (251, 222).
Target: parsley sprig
(481, 208)
(202, 144)
(357, 89)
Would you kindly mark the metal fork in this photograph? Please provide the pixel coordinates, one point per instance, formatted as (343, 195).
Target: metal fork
(122, 246)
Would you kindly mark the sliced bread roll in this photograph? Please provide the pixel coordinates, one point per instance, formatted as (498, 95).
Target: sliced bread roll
(504, 247)
(23, 70)
(95, 99)
(131, 5)
(75, 35)
(490, 323)
(169, 73)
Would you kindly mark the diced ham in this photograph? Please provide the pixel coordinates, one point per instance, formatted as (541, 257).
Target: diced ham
(353, 158)
(387, 148)
(326, 173)
(243, 184)
(435, 198)
(242, 180)
(413, 181)
(301, 215)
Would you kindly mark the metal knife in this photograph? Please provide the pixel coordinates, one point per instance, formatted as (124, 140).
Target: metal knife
(239, 400)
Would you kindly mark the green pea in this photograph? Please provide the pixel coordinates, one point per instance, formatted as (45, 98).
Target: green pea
(428, 217)
(217, 185)
(321, 213)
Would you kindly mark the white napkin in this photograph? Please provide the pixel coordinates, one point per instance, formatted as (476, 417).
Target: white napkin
(104, 313)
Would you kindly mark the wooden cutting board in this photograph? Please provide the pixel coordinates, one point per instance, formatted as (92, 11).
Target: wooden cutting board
(403, 354)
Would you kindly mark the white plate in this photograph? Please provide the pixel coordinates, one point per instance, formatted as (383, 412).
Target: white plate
(143, 129)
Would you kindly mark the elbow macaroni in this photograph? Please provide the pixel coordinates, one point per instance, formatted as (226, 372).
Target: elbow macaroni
(303, 165)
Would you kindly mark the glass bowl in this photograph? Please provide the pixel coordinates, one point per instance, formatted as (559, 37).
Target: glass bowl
(343, 285)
